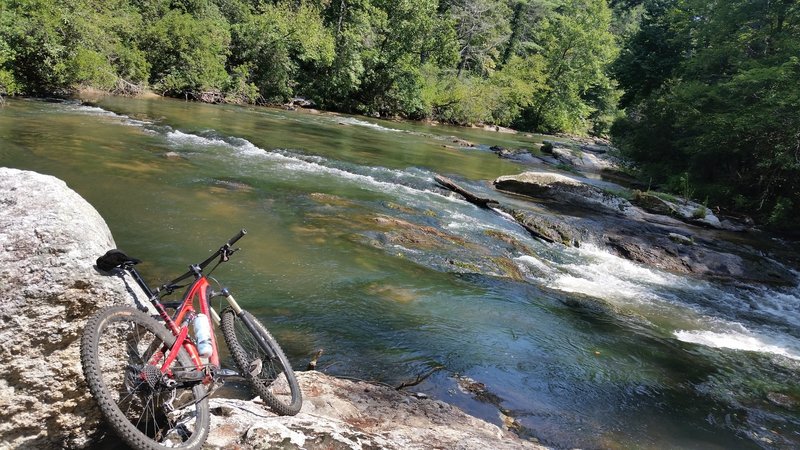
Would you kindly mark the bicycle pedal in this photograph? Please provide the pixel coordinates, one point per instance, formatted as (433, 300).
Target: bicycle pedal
(189, 375)
(225, 373)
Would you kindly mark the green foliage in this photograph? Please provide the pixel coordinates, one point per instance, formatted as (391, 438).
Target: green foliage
(187, 54)
(482, 27)
(39, 58)
(404, 37)
(450, 98)
(577, 46)
(472, 99)
(276, 41)
(650, 56)
(722, 106)
(462, 61)
(239, 89)
(57, 45)
(8, 85)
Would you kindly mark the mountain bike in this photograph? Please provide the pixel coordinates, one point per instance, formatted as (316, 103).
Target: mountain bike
(152, 378)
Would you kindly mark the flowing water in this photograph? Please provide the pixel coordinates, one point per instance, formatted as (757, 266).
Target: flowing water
(353, 249)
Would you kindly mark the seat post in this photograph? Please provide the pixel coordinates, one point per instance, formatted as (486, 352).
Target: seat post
(138, 278)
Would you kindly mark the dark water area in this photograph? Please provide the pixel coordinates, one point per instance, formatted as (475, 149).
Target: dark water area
(579, 347)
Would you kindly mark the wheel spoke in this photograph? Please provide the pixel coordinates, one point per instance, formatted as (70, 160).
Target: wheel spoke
(271, 377)
(130, 390)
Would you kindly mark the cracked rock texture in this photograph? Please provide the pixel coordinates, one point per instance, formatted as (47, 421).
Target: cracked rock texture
(343, 414)
(50, 238)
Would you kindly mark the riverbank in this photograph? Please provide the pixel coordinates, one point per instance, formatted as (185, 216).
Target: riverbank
(50, 238)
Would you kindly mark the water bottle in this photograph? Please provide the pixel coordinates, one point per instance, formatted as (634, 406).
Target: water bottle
(202, 335)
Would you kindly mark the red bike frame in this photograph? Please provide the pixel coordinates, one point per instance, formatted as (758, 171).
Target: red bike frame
(185, 312)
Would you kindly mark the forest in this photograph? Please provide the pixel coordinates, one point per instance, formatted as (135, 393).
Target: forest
(702, 95)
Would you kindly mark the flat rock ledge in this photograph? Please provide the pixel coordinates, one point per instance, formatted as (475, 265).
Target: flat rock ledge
(562, 188)
(344, 414)
(50, 238)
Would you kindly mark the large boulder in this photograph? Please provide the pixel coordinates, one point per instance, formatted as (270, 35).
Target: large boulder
(682, 209)
(562, 188)
(50, 238)
(585, 162)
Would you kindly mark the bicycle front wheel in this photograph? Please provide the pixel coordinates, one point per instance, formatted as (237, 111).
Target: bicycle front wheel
(262, 362)
(122, 351)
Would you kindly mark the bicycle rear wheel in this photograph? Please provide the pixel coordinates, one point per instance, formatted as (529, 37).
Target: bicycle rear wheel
(122, 350)
(262, 362)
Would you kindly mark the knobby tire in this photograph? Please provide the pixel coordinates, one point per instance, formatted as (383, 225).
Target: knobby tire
(271, 378)
(117, 342)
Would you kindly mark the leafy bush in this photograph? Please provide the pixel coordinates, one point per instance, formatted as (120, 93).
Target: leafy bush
(187, 54)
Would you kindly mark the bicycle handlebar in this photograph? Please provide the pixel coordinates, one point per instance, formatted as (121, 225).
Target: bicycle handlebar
(225, 251)
(238, 236)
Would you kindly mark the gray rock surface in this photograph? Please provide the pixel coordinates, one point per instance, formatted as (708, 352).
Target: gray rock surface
(682, 209)
(583, 161)
(645, 236)
(563, 188)
(50, 238)
(343, 414)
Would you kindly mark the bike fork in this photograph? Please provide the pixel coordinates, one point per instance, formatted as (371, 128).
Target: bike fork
(246, 319)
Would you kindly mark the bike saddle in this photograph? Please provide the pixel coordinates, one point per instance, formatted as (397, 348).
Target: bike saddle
(115, 258)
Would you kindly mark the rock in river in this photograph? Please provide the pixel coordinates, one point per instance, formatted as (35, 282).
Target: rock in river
(563, 188)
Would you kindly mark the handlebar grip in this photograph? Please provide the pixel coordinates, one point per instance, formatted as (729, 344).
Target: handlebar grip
(238, 236)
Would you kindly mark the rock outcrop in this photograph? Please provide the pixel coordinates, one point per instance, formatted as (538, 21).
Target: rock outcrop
(342, 414)
(563, 188)
(682, 209)
(659, 236)
(50, 238)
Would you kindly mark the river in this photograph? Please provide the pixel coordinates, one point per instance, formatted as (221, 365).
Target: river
(580, 347)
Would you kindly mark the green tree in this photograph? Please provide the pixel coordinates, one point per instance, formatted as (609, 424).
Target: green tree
(470, 99)
(279, 40)
(526, 18)
(8, 83)
(482, 28)
(381, 47)
(392, 81)
(724, 112)
(188, 54)
(58, 45)
(354, 27)
(650, 56)
(577, 47)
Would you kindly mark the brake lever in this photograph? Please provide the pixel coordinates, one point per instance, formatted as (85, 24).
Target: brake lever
(227, 252)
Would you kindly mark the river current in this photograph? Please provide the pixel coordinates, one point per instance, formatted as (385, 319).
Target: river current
(580, 348)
